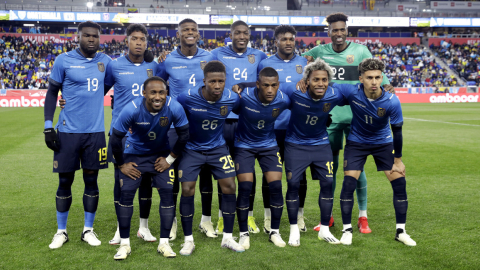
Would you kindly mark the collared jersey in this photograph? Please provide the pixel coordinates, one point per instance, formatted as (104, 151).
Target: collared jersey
(371, 118)
(206, 119)
(149, 130)
(256, 121)
(308, 122)
(82, 88)
(182, 72)
(127, 78)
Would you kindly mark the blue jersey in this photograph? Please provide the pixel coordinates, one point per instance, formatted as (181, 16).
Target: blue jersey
(183, 72)
(308, 123)
(371, 118)
(240, 67)
(256, 121)
(82, 88)
(149, 130)
(206, 119)
(289, 71)
(127, 79)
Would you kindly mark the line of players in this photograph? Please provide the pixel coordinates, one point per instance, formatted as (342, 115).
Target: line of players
(128, 75)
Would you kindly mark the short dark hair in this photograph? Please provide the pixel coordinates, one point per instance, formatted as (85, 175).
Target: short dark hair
(89, 24)
(336, 17)
(214, 66)
(153, 79)
(237, 23)
(283, 29)
(370, 64)
(136, 27)
(186, 20)
(267, 72)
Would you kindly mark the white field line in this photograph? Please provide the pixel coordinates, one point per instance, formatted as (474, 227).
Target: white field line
(434, 121)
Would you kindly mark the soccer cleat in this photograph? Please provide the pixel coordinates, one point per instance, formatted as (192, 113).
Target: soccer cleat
(245, 241)
(331, 224)
(187, 248)
(207, 228)
(91, 238)
(276, 239)
(301, 224)
(116, 239)
(146, 235)
(403, 237)
(266, 225)
(173, 231)
(294, 239)
(252, 227)
(58, 240)
(230, 243)
(166, 250)
(328, 237)
(347, 237)
(122, 252)
(219, 229)
(363, 225)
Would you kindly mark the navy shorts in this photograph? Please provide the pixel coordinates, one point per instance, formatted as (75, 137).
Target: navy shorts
(356, 155)
(146, 165)
(218, 159)
(229, 129)
(89, 149)
(299, 157)
(280, 135)
(110, 157)
(268, 158)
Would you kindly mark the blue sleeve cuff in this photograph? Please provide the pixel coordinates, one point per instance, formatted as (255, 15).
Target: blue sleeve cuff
(48, 124)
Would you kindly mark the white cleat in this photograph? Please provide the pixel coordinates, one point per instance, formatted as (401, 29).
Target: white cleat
(91, 238)
(301, 224)
(122, 252)
(166, 250)
(328, 237)
(58, 240)
(230, 243)
(173, 231)
(116, 239)
(403, 237)
(245, 241)
(146, 235)
(267, 225)
(207, 228)
(276, 239)
(294, 239)
(347, 237)
(187, 248)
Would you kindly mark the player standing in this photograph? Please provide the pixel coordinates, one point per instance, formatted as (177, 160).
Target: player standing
(373, 112)
(146, 153)
(241, 63)
(207, 106)
(81, 131)
(344, 58)
(127, 74)
(183, 69)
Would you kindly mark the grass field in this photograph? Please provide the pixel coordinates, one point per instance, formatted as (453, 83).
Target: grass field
(441, 154)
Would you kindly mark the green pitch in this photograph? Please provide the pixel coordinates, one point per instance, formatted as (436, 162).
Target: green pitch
(441, 154)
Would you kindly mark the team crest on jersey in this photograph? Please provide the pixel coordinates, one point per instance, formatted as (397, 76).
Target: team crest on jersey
(299, 69)
(150, 73)
(350, 58)
(101, 66)
(223, 110)
(180, 174)
(203, 64)
(55, 164)
(381, 112)
(326, 107)
(164, 121)
(251, 58)
(275, 112)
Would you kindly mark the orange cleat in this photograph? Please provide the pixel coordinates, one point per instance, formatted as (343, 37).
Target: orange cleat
(363, 225)
(331, 224)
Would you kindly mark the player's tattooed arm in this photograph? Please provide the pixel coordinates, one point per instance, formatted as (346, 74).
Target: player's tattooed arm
(163, 56)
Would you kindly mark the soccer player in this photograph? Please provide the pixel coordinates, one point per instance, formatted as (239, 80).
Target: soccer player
(290, 70)
(376, 115)
(241, 63)
(127, 74)
(147, 153)
(307, 145)
(207, 106)
(344, 58)
(183, 68)
(81, 131)
(255, 139)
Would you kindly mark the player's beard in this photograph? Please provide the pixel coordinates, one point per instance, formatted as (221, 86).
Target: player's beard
(88, 50)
